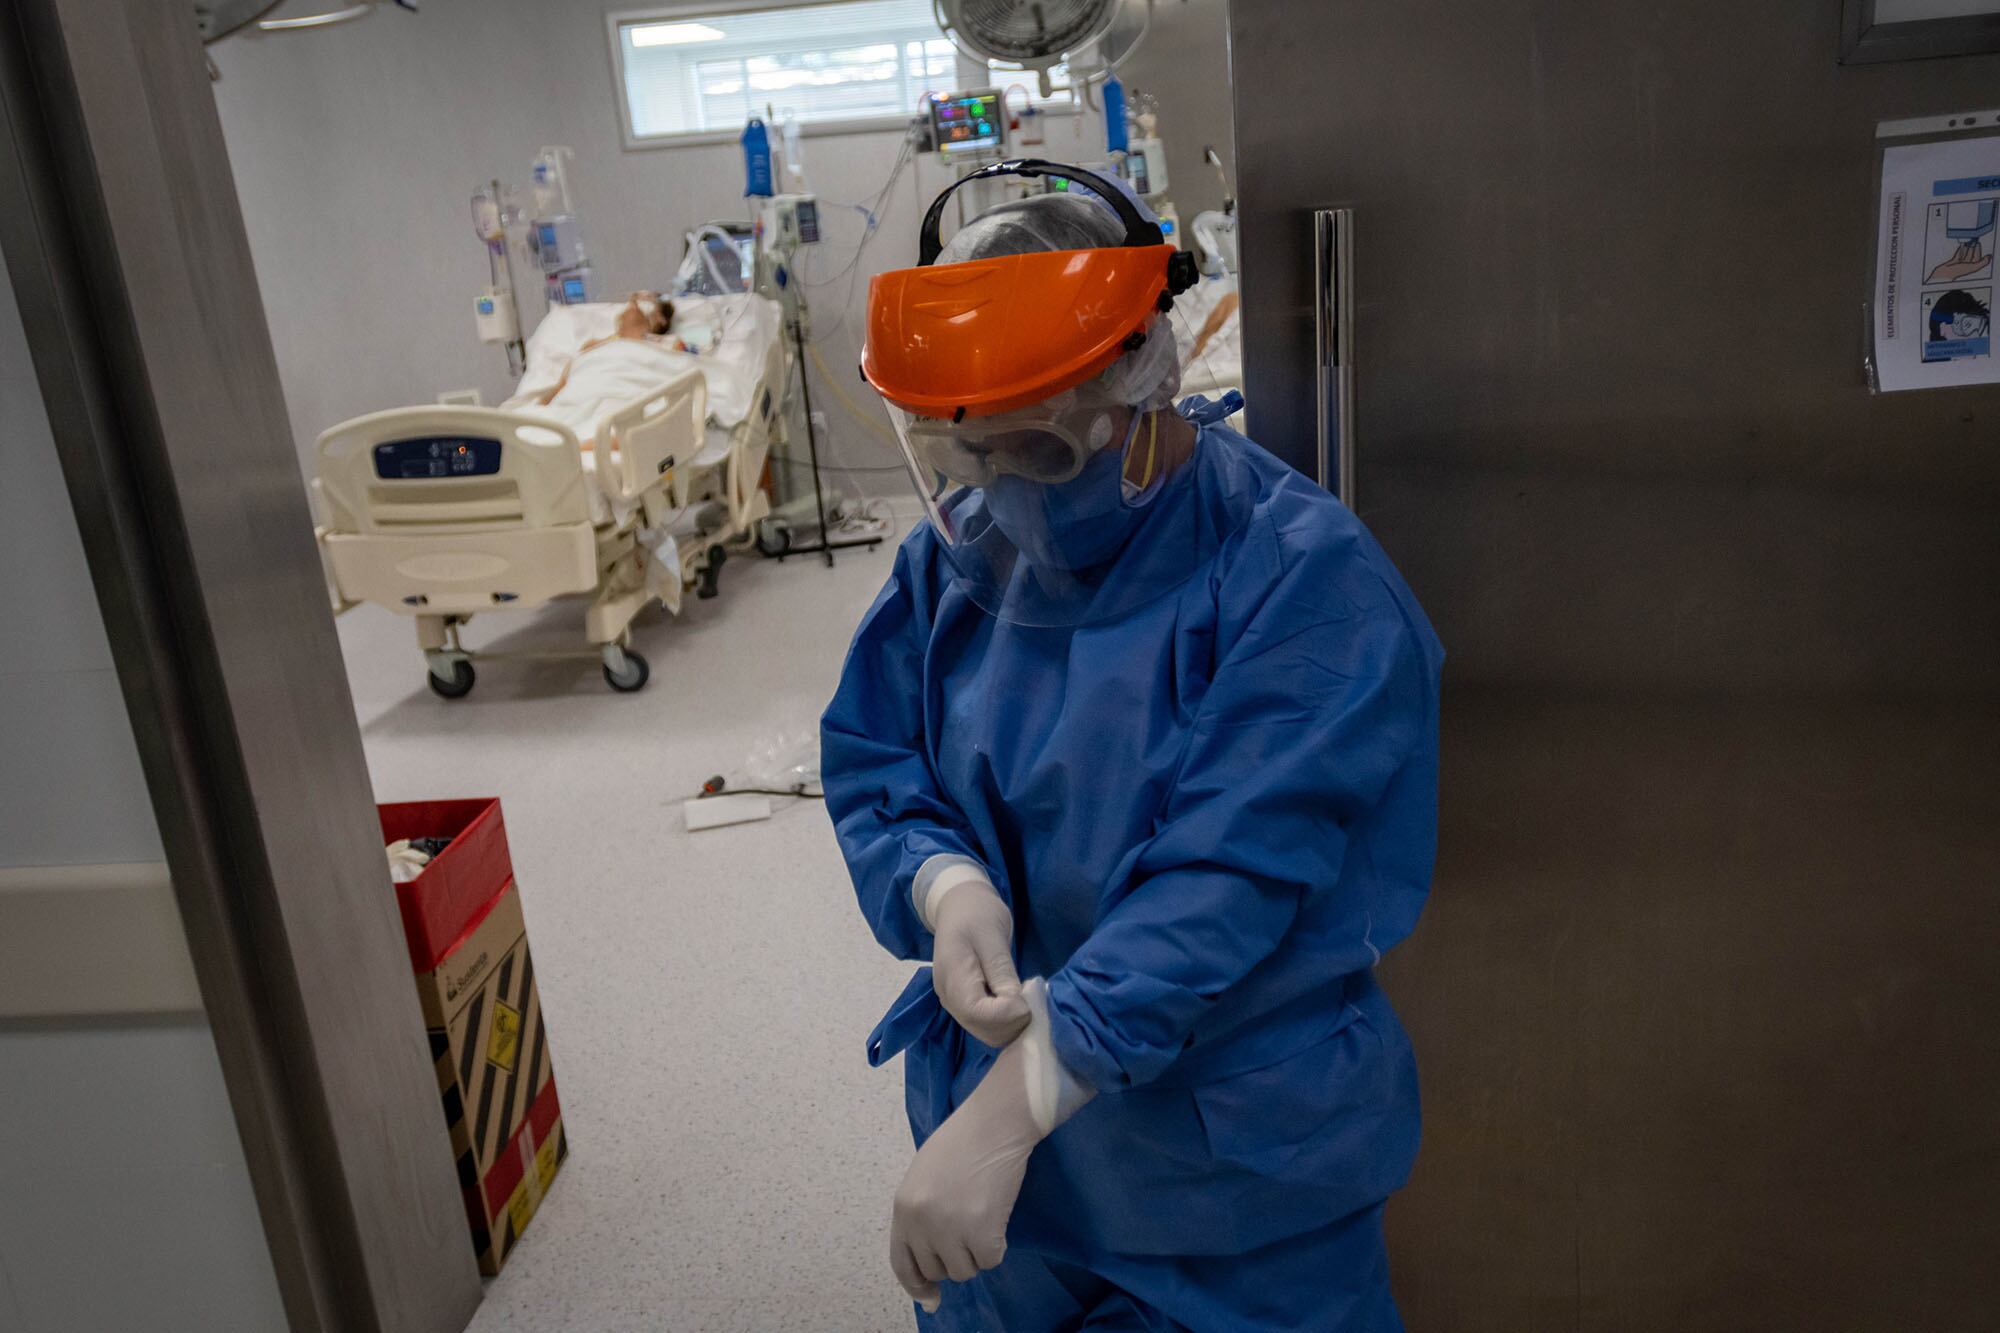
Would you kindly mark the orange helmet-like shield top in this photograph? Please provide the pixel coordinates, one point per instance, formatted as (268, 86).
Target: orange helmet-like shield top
(993, 335)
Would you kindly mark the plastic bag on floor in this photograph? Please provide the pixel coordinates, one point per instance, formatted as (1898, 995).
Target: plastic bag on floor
(785, 761)
(663, 567)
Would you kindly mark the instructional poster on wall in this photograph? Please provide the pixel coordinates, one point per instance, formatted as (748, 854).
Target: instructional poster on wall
(1934, 269)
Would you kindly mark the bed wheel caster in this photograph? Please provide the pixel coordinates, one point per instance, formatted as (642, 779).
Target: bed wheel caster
(774, 537)
(630, 676)
(711, 570)
(458, 686)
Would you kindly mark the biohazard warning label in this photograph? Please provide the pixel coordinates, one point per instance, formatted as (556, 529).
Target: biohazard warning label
(503, 1047)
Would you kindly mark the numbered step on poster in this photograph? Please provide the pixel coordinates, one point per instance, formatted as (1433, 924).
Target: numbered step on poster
(1955, 323)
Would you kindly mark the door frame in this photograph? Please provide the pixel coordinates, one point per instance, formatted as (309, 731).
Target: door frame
(131, 265)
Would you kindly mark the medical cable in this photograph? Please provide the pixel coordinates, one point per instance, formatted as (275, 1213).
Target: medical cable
(719, 786)
(855, 410)
(699, 238)
(866, 522)
(872, 211)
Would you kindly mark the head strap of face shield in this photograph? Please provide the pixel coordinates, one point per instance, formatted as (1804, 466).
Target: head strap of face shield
(1182, 270)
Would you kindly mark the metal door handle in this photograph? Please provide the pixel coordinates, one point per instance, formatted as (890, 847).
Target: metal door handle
(1333, 328)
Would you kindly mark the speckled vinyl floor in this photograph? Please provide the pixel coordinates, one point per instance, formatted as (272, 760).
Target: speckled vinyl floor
(732, 1154)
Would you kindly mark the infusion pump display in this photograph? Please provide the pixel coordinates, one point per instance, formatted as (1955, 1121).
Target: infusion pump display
(436, 456)
(968, 122)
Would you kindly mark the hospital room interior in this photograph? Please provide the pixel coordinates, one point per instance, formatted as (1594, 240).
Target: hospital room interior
(999, 666)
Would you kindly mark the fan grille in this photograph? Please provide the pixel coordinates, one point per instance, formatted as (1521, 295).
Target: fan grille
(1022, 30)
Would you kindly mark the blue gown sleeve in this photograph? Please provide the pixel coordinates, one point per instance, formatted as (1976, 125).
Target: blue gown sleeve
(889, 813)
(1322, 699)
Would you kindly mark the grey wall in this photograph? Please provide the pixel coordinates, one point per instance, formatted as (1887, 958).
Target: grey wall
(1184, 62)
(356, 150)
(127, 1204)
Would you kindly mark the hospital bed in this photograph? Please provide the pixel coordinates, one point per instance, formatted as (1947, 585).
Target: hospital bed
(628, 488)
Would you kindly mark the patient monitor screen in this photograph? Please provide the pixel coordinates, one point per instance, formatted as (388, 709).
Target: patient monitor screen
(436, 456)
(967, 122)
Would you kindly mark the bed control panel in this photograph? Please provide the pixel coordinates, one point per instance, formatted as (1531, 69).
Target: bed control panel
(437, 456)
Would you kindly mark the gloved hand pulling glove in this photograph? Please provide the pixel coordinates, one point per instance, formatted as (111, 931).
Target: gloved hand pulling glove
(972, 959)
(951, 1210)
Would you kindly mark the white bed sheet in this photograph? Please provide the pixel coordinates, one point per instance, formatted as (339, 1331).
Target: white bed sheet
(604, 379)
(731, 335)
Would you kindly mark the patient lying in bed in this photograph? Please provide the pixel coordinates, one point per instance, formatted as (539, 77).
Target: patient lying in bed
(586, 361)
(576, 378)
(645, 315)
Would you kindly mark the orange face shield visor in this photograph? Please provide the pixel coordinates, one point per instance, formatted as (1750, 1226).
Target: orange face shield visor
(994, 335)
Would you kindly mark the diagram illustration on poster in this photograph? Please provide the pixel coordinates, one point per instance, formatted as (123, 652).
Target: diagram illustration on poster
(1958, 241)
(1955, 323)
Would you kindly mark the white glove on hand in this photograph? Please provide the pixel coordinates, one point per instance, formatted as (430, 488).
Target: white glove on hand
(951, 1212)
(952, 1208)
(972, 960)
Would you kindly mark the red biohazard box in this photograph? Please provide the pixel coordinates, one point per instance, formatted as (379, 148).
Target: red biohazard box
(476, 980)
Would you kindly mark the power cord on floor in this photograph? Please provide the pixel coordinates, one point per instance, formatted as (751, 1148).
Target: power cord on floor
(868, 518)
(719, 786)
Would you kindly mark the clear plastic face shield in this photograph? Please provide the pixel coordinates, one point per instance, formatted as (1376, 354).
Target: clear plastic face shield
(1053, 443)
(1038, 508)
(1029, 368)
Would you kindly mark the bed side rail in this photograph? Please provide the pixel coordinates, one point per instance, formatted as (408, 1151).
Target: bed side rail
(647, 442)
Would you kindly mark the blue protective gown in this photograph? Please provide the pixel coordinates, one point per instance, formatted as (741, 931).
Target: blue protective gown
(1210, 816)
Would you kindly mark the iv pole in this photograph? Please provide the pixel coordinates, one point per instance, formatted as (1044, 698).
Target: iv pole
(777, 244)
(827, 543)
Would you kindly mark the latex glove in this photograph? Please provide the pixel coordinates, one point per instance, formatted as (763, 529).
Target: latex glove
(405, 861)
(951, 1211)
(972, 960)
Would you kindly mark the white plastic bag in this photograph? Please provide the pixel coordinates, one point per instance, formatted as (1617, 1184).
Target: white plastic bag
(663, 567)
(784, 761)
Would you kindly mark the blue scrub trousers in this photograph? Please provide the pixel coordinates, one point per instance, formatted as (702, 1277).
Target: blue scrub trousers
(1334, 1280)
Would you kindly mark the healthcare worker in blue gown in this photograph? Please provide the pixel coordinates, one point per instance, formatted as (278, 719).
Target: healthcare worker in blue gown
(1148, 719)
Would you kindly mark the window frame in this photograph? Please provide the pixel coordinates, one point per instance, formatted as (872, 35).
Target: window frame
(1864, 41)
(690, 11)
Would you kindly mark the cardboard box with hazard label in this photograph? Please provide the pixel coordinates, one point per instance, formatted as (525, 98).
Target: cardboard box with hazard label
(476, 980)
